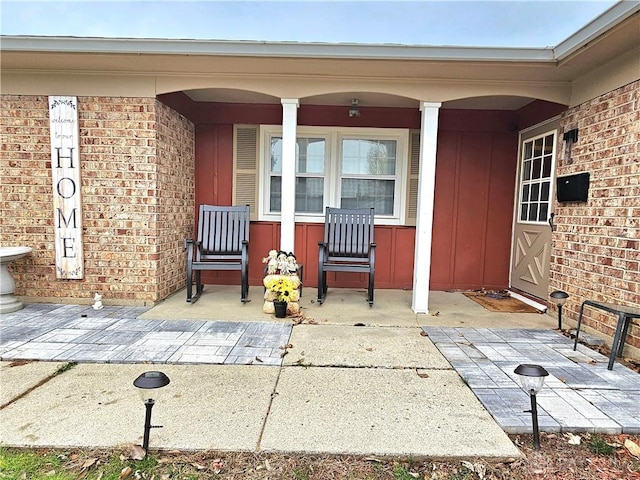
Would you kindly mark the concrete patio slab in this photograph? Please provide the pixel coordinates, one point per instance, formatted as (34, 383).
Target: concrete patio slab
(18, 377)
(453, 309)
(339, 346)
(204, 406)
(218, 302)
(356, 411)
(392, 308)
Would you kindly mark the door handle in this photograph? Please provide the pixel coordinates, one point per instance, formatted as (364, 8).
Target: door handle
(553, 227)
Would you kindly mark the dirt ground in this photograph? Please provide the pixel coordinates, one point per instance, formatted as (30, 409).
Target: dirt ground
(596, 457)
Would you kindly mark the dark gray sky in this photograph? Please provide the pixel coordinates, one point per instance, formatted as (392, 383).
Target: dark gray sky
(526, 23)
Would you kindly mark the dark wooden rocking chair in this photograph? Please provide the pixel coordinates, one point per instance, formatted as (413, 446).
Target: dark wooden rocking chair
(348, 246)
(222, 244)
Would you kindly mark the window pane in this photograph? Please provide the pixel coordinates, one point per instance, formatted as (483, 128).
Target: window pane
(537, 168)
(368, 157)
(524, 208)
(310, 155)
(535, 192)
(544, 191)
(276, 155)
(546, 166)
(526, 170)
(548, 144)
(537, 148)
(528, 150)
(361, 193)
(544, 212)
(309, 195)
(275, 197)
(533, 212)
(525, 193)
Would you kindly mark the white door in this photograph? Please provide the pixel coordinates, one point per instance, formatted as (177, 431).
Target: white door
(531, 249)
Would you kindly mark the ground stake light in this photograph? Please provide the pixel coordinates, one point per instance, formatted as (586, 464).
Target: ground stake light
(532, 379)
(149, 385)
(560, 298)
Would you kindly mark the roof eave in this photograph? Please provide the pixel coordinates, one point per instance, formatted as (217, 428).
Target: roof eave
(617, 14)
(271, 49)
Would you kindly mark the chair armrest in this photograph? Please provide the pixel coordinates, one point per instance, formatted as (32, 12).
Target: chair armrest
(322, 252)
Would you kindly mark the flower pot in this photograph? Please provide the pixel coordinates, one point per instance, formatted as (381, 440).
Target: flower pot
(281, 309)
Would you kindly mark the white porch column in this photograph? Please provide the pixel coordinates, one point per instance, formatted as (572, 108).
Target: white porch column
(424, 221)
(288, 205)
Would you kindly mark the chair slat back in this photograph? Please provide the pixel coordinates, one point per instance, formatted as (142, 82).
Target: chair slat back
(221, 230)
(348, 233)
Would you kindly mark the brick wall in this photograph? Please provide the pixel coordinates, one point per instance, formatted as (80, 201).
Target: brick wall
(130, 150)
(176, 184)
(596, 247)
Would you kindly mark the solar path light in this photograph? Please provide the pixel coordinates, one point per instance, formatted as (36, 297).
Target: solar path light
(560, 298)
(532, 378)
(149, 385)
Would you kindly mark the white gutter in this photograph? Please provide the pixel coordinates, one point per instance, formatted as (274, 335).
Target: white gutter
(603, 23)
(11, 43)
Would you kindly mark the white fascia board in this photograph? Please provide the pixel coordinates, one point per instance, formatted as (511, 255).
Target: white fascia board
(11, 43)
(609, 19)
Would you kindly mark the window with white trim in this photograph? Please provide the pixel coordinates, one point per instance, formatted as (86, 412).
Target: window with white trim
(338, 167)
(537, 158)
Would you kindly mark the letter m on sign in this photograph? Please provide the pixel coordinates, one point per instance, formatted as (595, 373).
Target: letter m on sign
(65, 173)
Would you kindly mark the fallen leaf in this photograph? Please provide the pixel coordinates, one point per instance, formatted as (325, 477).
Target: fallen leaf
(258, 359)
(50, 473)
(423, 333)
(216, 465)
(88, 463)
(373, 459)
(421, 374)
(369, 349)
(268, 465)
(633, 447)
(573, 439)
(125, 472)
(137, 453)
(198, 466)
(477, 468)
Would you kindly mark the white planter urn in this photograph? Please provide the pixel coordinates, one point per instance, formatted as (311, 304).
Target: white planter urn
(9, 303)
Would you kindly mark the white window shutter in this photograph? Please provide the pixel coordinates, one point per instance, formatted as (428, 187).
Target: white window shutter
(412, 180)
(245, 167)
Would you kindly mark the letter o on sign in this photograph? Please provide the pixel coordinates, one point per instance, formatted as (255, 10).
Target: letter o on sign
(63, 188)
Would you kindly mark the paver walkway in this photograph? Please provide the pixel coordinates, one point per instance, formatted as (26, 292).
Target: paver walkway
(580, 394)
(50, 332)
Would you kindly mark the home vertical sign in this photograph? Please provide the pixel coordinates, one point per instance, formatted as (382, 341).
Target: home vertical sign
(65, 172)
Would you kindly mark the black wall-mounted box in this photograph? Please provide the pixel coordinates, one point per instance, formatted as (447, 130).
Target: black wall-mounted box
(573, 188)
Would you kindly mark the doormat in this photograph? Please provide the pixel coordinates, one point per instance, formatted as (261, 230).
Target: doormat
(500, 301)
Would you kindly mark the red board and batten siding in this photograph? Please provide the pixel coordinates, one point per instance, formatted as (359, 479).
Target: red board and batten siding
(476, 164)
